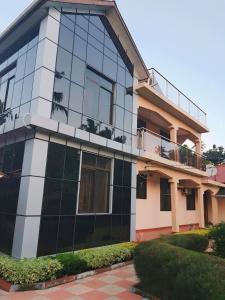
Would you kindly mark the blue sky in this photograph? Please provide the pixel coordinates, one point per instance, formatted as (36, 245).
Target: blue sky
(184, 40)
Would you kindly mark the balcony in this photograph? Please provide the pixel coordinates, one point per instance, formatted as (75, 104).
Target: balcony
(156, 144)
(162, 93)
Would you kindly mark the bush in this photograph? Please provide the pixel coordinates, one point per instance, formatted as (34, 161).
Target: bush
(105, 256)
(71, 264)
(217, 233)
(28, 271)
(170, 272)
(200, 231)
(193, 242)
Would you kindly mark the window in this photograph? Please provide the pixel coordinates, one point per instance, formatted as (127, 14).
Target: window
(6, 91)
(141, 186)
(165, 196)
(98, 97)
(190, 199)
(94, 186)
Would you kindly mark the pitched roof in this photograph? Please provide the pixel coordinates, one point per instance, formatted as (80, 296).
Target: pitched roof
(37, 10)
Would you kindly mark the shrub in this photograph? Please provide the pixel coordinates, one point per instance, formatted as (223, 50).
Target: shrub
(217, 233)
(105, 256)
(28, 271)
(71, 263)
(171, 272)
(193, 242)
(201, 231)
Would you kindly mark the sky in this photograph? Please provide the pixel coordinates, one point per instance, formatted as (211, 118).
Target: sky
(183, 40)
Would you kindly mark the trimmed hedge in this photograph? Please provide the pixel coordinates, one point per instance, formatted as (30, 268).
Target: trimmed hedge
(30, 271)
(171, 272)
(217, 233)
(193, 242)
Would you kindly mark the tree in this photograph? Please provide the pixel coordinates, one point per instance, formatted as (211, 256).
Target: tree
(216, 155)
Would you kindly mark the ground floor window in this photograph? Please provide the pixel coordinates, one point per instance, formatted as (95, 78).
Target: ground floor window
(141, 186)
(94, 185)
(165, 195)
(190, 199)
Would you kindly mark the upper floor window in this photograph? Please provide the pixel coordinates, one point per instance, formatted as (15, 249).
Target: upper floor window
(98, 98)
(6, 93)
(165, 195)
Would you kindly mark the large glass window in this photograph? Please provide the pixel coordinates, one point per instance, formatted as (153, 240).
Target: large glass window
(98, 97)
(165, 195)
(16, 81)
(95, 173)
(91, 65)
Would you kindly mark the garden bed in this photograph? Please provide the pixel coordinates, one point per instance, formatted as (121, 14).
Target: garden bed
(42, 273)
(177, 268)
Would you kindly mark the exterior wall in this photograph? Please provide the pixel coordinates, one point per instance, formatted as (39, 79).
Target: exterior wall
(221, 209)
(169, 118)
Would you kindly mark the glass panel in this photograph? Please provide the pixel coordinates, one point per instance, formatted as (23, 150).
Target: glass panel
(61, 91)
(48, 235)
(94, 58)
(17, 93)
(105, 103)
(72, 164)
(119, 117)
(80, 47)
(51, 197)
(69, 198)
(91, 99)
(102, 234)
(82, 22)
(74, 119)
(63, 65)
(30, 61)
(78, 71)
(68, 22)
(27, 88)
(76, 97)
(110, 68)
(20, 67)
(56, 153)
(66, 38)
(7, 225)
(59, 113)
(66, 234)
(84, 231)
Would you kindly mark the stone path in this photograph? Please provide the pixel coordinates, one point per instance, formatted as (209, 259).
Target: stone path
(111, 285)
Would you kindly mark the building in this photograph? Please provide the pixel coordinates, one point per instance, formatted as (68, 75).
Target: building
(73, 91)
(217, 173)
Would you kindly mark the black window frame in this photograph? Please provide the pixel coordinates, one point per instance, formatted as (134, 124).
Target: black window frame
(141, 192)
(165, 195)
(191, 200)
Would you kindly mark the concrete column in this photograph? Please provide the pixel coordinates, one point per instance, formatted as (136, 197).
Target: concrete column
(174, 205)
(41, 103)
(215, 211)
(26, 232)
(198, 147)
(173, 138)
(200, 201)
(133, 201)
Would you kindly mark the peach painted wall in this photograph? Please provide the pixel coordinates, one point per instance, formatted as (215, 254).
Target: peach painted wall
(221, 209)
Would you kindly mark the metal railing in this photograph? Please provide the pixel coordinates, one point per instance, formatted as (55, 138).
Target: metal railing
(152, 142)
(167, 89)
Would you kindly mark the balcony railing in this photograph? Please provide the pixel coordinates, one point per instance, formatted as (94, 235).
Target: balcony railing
(167, 89)
(152, 142)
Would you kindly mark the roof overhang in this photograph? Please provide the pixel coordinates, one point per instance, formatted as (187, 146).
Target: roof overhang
(38, 9)
(149, 93)
(213, 183)
(221, 193)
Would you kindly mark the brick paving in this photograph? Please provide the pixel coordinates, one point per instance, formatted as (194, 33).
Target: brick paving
(111, 285)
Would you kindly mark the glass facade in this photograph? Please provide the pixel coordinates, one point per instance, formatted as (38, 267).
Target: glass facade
(93, 79)
(16, 82)
(11, 160)
(67, 225)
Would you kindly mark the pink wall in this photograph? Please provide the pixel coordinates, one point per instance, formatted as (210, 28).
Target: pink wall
(220, 174)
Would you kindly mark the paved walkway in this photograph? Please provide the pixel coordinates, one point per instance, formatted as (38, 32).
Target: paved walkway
(111, 285)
